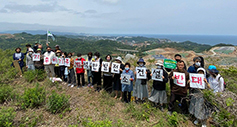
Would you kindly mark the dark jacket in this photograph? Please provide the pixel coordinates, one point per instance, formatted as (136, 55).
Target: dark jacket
(158, 85)
(122, 66)
(192, 69)
(148, 75)
(178, 89)
(21, 63)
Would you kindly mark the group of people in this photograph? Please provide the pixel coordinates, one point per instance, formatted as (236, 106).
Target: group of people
(112, 82)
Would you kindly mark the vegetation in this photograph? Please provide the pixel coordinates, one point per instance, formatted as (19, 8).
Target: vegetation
(6, 117)
(5, 93)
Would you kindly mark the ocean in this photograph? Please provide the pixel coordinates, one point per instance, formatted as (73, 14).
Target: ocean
(201, 39)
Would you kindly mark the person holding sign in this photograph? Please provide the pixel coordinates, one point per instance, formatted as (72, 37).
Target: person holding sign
(49, 68)
(107, 76)
(80, 71)
(89, 73)
(140, 90)
(29, 60)
(72, 77)
(97, 75)
(179, 89)
(127, 89)
(56, 67)
(117, 83)
(197, 106)
(158, 93)
(18, 61)
(39, 64)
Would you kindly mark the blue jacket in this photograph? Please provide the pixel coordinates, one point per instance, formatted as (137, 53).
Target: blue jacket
(192, 69)
(21, 63)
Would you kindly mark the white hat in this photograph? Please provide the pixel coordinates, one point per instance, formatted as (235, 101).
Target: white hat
(202, 69)
(119, 58)
(31, 50)
(159, 62)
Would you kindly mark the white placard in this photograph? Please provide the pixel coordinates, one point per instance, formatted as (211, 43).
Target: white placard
(157, 74)
(55, 60)
(36, 56)
(86, 65)
(61, 61)
(46, 60)
(67, 62)
(115, 68)
(95, 66)
(125, 79)
(197, 81)
(179, 79)
(141, 73)
(105, 66)
(78, 64)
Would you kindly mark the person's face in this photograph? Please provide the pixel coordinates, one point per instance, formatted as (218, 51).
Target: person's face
(117, 61)
(108, 58)
(48, 49)
(18, 50)
(57, 48)
(177, 58)
(40, 46)
(200, 72)
(197, 61)
(127, 66)
(89, 55)
(38, 51)
(180, 65)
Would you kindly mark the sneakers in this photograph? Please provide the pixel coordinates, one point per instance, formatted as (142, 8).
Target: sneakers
(78, 87)
(72, 85)
(204, 125)
(196, 122)
(69, 84)
(89, 85)
(162, 109)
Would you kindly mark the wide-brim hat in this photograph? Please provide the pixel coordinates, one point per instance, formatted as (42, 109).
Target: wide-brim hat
(159, 62)
(141, 61)
(211, 67)
(119, 58)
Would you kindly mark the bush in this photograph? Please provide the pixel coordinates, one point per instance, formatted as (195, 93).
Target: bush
(6, 117)
(57, 103)
(33, 97)
(104, 123)
(38, 75)
(5, 93)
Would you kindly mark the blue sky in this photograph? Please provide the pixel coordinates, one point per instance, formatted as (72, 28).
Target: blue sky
(122, 16)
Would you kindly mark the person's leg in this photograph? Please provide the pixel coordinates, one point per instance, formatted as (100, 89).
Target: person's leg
(52, 70)
(184, 106)
(70, 76)
(125, 96)
(88, 77)
(171, 103)
(78, 80)
(73, 77)
(121, 95)
(129, 96)
(47, 70)
(83, 79)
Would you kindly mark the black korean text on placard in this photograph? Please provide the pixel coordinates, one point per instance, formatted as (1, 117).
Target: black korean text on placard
(116, 68)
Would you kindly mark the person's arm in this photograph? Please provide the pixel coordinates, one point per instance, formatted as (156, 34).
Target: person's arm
(27, 56)
(165, 79)
(221, 84)
(22, 56)
(132, 76)
(148, 74)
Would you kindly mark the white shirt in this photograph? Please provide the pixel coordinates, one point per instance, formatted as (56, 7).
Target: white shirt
(217, 84)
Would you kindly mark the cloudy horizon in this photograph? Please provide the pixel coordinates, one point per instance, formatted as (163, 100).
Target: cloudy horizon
(210, 17)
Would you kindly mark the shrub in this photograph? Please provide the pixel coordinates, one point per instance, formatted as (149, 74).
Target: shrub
(6, 117)
(33, 97)
(57, 103)
(103, 123)
(38, 75)
(5, 93)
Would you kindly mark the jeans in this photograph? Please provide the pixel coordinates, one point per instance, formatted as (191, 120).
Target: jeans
(72, 78)
(49, 70)
(81, 75)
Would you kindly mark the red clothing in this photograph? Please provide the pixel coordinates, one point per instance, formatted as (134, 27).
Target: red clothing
(80, 70)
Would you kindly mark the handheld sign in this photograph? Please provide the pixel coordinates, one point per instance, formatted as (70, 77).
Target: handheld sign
(95, 66)
(115, 68)
(78, 64)
(157, 74)
(46, 60)
(141, 73)
(105, 66)
(86, 65)
(61, 61)
(125, 79)
(197, 81)
(168, 63)
(55, 60)
(179, 79)
(67, 62)
(36, 57)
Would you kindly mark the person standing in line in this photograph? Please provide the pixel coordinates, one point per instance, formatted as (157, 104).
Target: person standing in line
(80, 71)
(107, 76)
(29, 60)
(89, 73)
(72, 78)
(97, 75)
(49, 68)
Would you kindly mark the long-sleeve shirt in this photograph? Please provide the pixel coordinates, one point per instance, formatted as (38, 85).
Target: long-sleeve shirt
(217, 83)
(29, 59)
(51, 55)
(17, 56)
(130, 72)
(158, 85)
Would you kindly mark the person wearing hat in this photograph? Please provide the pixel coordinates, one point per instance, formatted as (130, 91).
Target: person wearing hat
(39, 64)
(56, 67)
(29, 60)
(158, 94)
(140, 90)
(177, 92)
(72, 77)
(49, 68)
(215, 79)
(127, 89)
(97, 75)
(197, 106)
(117, 83)
(108, 76)
(28, 46)
(18, 56)
(35, 46)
